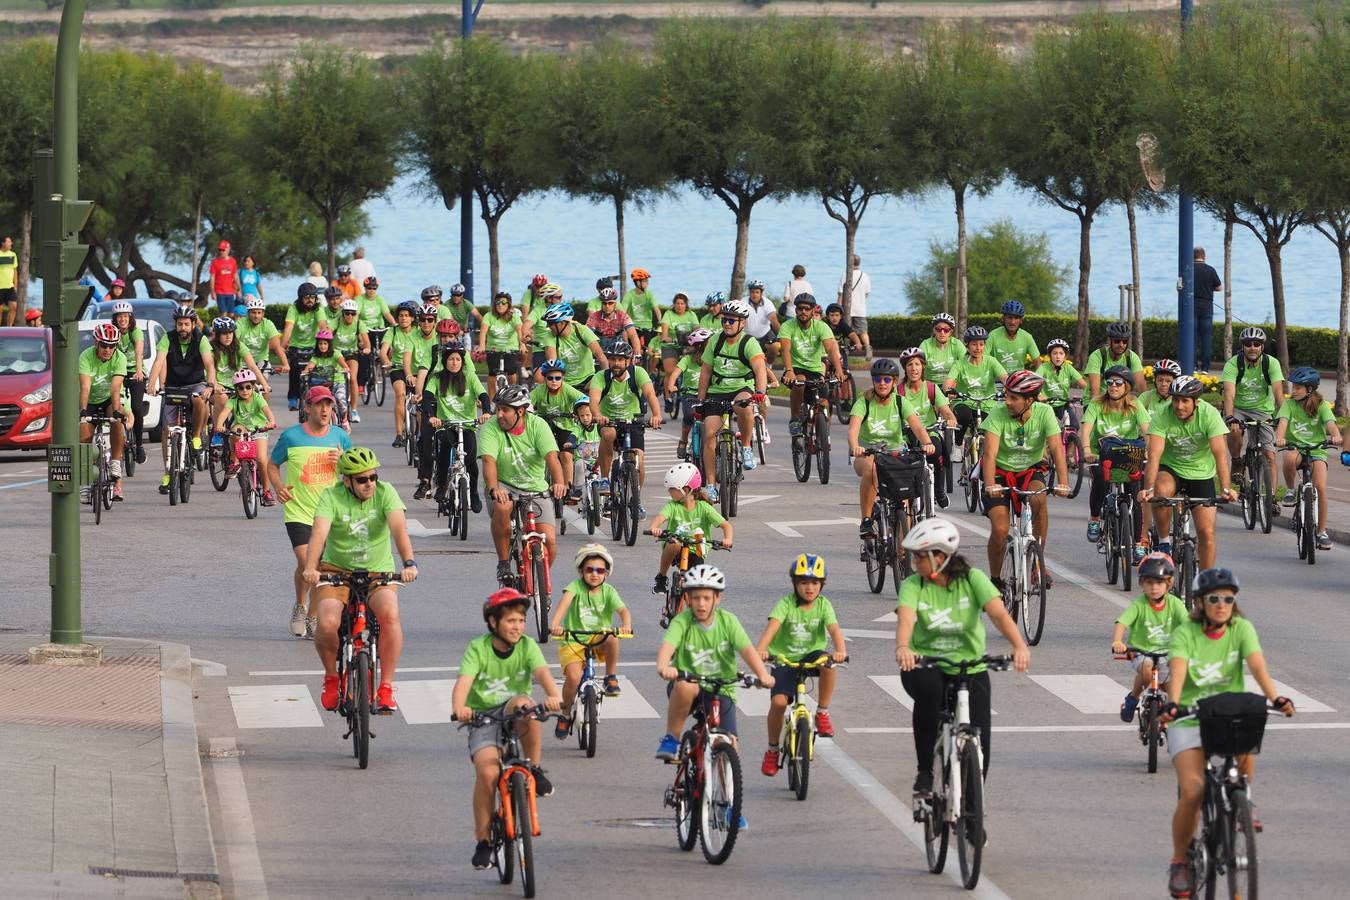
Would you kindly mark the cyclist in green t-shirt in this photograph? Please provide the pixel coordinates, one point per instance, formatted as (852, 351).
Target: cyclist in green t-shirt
(353, 524)
(977, 377)
(1148, 622)
(1158, 397)
(930, 402)
(1060, 377)
(251, 413)
(676, 325)
(589, 603)
(1010, 344)
(640, 304)
(877, 421)
(327, 366)
(733, 369)
(1019, 434)
(452, 394)
(1116, 352)
(351, 339)
(103, 369)
(804, 341)
(468, 318)
(942, 351)
(303, 320)
(619, 393)
(396, 342)
(687, 514)
(1253, 388)
(1115, 414)
(1305, 422)
(500, 339)
(574, 344)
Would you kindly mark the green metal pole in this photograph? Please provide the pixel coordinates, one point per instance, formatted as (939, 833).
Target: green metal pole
(65, 558)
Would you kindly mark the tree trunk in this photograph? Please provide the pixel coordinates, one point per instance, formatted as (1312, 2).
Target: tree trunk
(1343, 342)
(494, 253)
(1136, 321)
(850, 244)
(1273, 251)
(1227, 287)
(25, 255)
(742, 248)
(962, 297)
(197, 244)
(618, 227)
(1082, 340)
(330, 237)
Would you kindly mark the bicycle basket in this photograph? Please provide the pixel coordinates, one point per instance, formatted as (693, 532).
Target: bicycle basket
(245, 450)
(900, 478)
(1126, 455)
(1232, 724)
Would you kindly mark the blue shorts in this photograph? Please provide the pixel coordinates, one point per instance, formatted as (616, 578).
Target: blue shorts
(725, 704)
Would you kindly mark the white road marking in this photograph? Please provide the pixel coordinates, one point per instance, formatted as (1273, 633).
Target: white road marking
(425, 702)
(1091, 694)
(274, 706)
(889, 617)
(1302, 702)
(752, 499)
(628, 705)
(789, 529)
(417, 529)
(851, 633)
(1085, 729)
(755, 702)
(238, 838)
(892, 685)
(286, 673)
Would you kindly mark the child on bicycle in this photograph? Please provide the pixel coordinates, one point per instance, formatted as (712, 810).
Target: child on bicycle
(250, 411)
(1306, 420)
(494, 676)
(589, 603)
(1149, 621)
(687, 512)
(798, 626)
(703, 640)
(587, 437)
(683, 379)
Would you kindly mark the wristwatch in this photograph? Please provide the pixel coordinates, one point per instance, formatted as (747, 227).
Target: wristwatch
(410, 563)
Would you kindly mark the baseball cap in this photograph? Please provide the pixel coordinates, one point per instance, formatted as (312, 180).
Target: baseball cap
(223, 245)
(318, 393)
(32, 314)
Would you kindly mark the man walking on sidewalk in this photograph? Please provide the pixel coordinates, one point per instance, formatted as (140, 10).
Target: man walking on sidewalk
(862, 286)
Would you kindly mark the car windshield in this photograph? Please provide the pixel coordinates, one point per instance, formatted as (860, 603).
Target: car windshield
(21, 355)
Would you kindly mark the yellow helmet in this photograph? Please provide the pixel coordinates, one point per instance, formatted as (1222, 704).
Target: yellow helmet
(807, 565)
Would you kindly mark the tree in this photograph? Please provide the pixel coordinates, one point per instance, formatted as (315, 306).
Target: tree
(945, 113)
(1004, 261)
(1076, 115)
(713, 122)
(327, 125)
(28, 93)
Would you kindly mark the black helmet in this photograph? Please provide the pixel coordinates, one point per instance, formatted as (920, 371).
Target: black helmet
(1119, 372)
(1118, 330)
(1157, 565)
(805, 299)
(431, 291)
(344, 269)
(1186, 386)
(619, 349)
(306, 289)
(975, 333)
(1215, 578)
(834, 308)
(885, 366)
(333, 291)
(604, 282)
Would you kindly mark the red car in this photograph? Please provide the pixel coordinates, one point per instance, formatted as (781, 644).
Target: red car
(25, 388)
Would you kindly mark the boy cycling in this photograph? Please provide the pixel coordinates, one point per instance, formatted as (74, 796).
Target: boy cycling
(588, 604)
(1149, 621)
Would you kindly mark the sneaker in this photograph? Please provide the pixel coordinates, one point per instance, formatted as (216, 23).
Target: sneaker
(140, 454)
(269, 499)
(164, 485)
(681, 450)
(612, 688)
(769, 766)
(482, 855)
(542, 786)
(475, 501)
(354, 415)
(642, 512)
(1094, 531)
(311, 626)
(1323, 539)
(668, 749)
(399, 441)
(329, 696)
(423, 489)
(117, 490)
(748, 460)
(942, 500)
(196, 442)
(562, 728)
(1128, 707)
(298, 620)
(711, 491)
(232, 470)
(1179, 879)
(660, 585)
(292, 405)
(504, 574)
(795, 428)
(768, 436)
(603, 485)
(115, 468)
(384, 699)
(958, 453)
(824, 727)
(741, 824)
(923, 783)
(865, 528)
(1290, 499)
(574, 495)
(1140, 551)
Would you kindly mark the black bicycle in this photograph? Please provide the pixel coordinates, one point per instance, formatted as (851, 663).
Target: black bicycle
(625, 482)
(902, 484)
(376, 382)
(1185, 544)
(811, 429)
(1304, 519)
(1257, 494)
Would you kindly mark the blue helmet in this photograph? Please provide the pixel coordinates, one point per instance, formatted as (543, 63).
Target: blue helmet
(715, 298)
(558, 312)
(553, 365)
(1014, 308)
(409, 306)
(1306, 376)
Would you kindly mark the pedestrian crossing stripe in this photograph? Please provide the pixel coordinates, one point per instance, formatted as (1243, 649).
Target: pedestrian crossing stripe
(274, 706)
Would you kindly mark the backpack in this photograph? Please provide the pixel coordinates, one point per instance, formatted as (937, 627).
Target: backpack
(1265, 366)
(740, 354)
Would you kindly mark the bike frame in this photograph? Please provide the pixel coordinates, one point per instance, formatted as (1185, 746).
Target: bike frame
(530, 540)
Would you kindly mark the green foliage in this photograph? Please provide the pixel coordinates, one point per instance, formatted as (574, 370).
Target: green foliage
(1003, 262)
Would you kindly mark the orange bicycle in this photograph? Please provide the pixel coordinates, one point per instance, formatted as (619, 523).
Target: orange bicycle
(691, 545)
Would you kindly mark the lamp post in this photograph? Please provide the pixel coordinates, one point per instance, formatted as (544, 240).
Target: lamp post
(469, 12)
(1185, 245)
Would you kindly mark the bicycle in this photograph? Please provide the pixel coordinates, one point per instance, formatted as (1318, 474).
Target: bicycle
(842, 392)
(181, 471)
(1024, 568)
(515, 819)
(706, 794)
(625, 483)
(956, 803)
(797, 746)
(694, 545)
(730, 466)
(358, 659)
(1225, 843)
(585, 713)
(1116, 540)
(1257, 494)
(375, 383)
(455, 504)
(411, 422)
(972, 449)
(530, 558)
(812, 430)
(1304, 519)
(244, 450)
(1185, 544)
(218, 451)
(1152, 732)
(760, 434)
(100, 497)
(903, 481)
(591, 505)
(1073, 454)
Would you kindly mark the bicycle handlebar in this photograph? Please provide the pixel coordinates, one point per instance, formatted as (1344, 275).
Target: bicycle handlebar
(822, 663)
(1131, 652)
(993, 663)
(689, 541)
(1180, 712)
(337, 579)
(490, 717)
(711, 683)
(1189, 502)
(894, 454)
(604, 632)
(1304, 448)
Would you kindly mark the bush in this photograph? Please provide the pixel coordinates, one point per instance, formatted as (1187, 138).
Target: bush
(1003, 263)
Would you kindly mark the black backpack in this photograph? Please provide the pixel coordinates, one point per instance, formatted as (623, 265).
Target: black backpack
(740, 354)
(1265, 366)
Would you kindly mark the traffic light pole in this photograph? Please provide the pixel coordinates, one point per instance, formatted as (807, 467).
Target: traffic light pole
(468, 14)
(1186, 249)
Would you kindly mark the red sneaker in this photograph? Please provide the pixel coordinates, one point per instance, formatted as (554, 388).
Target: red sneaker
(770, 765)
(384, 698)
(329, 697)
(824, 727)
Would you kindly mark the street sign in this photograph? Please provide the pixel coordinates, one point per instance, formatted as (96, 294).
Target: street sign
(60, 469)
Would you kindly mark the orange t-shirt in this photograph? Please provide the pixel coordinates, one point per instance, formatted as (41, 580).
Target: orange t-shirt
(351, 289)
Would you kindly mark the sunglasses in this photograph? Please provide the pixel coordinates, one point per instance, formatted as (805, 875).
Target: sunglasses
(1253, 343)
(365, 479)
(729, 320)
(553, 378)
(942, 329)
(609, 302)
(594, 570)
(1216, 599)
(1120, 340)
(427, 319)
(884, 379)
(1114, 382)
(244, 387)
(349, 312)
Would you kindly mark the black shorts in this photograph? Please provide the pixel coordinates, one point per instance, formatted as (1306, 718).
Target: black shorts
(785, 677)
(507, 361)
(566, 440)
(299, 533)
(1005, 499)
(396, 375)
(720, 404)
(8, 296)
(726, 706)
(1195, 488)
(636, 432)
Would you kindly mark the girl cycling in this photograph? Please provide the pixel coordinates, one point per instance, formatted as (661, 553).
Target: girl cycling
(676, 326)
(687, 512)
(231, 357)
(554, 400)
(452, 393)
(132, 345)
(250, 412)
(327, 366)
(1060, 376)
(930, 403)
(1306, 421)
(1164, 371)
(1114, 414)
(975, 375)
(941, 352)
(877, 421)
(682, 383)
(500, 337)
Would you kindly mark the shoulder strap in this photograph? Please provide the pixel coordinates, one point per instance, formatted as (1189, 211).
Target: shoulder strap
(932, 393)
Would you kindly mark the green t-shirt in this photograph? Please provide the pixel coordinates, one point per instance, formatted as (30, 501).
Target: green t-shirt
(1212, 666)
(927, 409)
(709, 651)
(306, 325)
(1057, 383)
(1100, 360)
(126, 343)
(1305, 430)
(456, 407)
(689, 366)
(641, 307)
(679, 325)
(977, 380)
(501, 333)
(359, 537)
(370, 312)
(309, 470)
(564, 401)
(332, 368)
(255, 337)
(1252, 392)
(497, 680)
(421, 346)
(224, 368)
(685, 522)
(940, 360)
(808, 344)
(9, 267)
(620, 399)
(1186, 449)
(882, 423)
(712, 323)
(1013, 353)
(590, 612)
(399, 342)
(729, 374)
(1150, 401)
(461, 312)
(1126, 423)
(347, 337)
(1021, 445)
(101, 373)
(948, 618)
(250, 414)
(574, 348)
(521, 458)
(802, 629)
(1151, 629)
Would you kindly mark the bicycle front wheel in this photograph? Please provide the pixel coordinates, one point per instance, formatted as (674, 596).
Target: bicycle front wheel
(358, 710)
(1125, 542)
(1073, 456)
(686, 799)
(1152, 733)
(217, 465)
(802, 753)
(96, 496)
(873, 554)
(721, 808)
(590, 721)
(1241, 848)
(726, 476)
(380, 382)
(248, 488)
(524, 836)
(1110, 550)
(1012, 582)
(185, 484)
(801, 460)
(632, 517)
(760, 430)
(462, 509)
(539, 592)
(823, 446)
(618, 505)
(1248, 496)
(1186, 571)
(970, 819)
(1308, 537)
(592, 507)
(1033, 594)
(1264, 497)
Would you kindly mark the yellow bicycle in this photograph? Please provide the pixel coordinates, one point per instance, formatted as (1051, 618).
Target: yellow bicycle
(797, 746)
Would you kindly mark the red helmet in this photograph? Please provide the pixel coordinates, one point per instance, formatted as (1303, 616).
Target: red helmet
(501, 599)
(538, 281)
(107, 333)
(447, 326)
(1024, 382)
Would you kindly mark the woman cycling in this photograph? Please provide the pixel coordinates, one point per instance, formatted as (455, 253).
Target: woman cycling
(682, 383)
(1060, 376)
(1165, 371)
(687, 513)
(574, 344)
(878, 420)
(1305, 422)
(611, 323)
(501, 337)
(231, 357)
(939, 615)
(396, 343)
(250, 412)
(676, 325)
(452, 393)
(555, 400)
(328, 366)
(132, 344)
(931, 404)
(941, 352)
(1117, 415)
(976, 376)
(351, 340)
(1207, 658)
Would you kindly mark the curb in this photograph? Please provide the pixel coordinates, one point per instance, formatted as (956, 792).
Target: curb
(1281, 523)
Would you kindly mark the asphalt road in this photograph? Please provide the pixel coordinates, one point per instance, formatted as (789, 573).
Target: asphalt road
(1071, 810)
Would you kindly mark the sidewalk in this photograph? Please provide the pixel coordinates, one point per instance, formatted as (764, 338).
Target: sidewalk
(102, 786)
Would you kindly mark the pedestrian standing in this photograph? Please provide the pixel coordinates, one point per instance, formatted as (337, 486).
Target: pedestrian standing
(250, 281)
(224, 280)
(862, 286)
(9, 269)
(798, 285)
(361, 267)
(316, 276)
(1206, 283)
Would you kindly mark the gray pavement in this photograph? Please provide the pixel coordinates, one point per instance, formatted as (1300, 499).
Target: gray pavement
(1071, 810)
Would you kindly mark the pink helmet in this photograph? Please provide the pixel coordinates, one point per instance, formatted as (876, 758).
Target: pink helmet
(323, 335)
(244, 376)
(117, 282)
(683, 476)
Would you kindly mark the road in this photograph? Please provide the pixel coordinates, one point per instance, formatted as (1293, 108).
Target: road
(1072, 812)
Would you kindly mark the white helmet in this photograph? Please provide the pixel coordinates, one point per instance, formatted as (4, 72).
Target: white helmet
(349, 305)
(934, 534)
(587, 551)
(121, 306)
(705, 576)
(255, 303)
(738, 308)
(683, 476)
